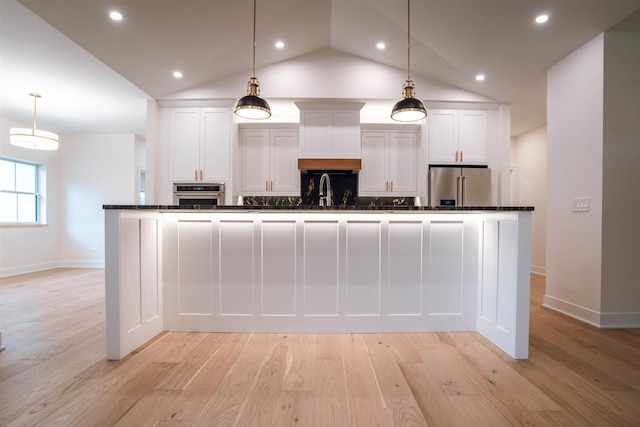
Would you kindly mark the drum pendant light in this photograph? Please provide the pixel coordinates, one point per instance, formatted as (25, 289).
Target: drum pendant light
(33, 138)
(408, 109)
(252, 106)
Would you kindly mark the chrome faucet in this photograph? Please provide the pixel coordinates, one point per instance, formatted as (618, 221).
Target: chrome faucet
(325, 197)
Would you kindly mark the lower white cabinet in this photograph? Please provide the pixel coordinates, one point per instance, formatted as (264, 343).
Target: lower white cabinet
(269, 163)
(389, 163)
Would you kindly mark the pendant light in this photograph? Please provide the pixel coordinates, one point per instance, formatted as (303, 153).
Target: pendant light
(252, 106)
(408, 109)
(33, 138)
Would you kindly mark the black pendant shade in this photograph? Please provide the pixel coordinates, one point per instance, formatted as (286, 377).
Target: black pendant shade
(251, 106)
(408, 109)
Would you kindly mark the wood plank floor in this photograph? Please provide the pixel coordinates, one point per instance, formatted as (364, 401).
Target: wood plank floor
(54, 372)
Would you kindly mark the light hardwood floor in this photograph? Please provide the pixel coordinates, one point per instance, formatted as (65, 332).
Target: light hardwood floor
(54, 372)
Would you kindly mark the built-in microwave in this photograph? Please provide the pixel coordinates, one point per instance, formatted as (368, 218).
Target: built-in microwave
(200, 195)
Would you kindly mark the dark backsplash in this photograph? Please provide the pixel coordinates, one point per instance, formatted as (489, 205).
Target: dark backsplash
(344, 187)
(297, 201)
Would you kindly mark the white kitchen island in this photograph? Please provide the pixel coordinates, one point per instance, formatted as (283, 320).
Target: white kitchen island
(292, 270)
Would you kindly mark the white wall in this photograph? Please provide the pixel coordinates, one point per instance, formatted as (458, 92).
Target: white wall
(621, 180)
(94, 170)
(86, 172)
(151, 151)
(574, 154)
(529, 158)
(313, 76)
(25, 249)
(593, 151)
(498, 153)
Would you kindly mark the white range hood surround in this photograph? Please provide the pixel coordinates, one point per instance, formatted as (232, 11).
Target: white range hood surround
(329, 130)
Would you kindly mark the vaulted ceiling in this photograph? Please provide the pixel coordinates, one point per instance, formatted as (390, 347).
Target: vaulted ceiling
(451, 42)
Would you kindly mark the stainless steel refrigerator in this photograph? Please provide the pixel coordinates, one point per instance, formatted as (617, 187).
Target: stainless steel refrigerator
(459, 186)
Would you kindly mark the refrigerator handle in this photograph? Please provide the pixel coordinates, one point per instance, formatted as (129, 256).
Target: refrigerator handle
(458, 199)
(464, 189)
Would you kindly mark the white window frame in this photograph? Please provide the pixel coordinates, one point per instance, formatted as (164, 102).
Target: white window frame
(40, 207)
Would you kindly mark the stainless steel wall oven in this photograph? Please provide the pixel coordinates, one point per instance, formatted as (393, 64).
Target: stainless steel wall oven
(199, 195)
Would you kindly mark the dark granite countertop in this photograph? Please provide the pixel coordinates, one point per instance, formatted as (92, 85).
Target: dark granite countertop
(315, 208)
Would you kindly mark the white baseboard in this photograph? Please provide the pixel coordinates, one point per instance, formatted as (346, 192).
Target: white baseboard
(539, 270)
(592, 317)
(24, 269)
(577, 312)
(82, 264)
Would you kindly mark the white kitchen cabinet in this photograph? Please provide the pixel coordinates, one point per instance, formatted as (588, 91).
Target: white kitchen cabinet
(329, 132)
(457, 136)
(389, 163)
(269, 163)
(200, 144)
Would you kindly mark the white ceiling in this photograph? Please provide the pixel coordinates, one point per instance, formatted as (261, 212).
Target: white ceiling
(452, 41)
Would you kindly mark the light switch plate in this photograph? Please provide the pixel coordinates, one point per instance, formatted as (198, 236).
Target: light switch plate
(581, 204)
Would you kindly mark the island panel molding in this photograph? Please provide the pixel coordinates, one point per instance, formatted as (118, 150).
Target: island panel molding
(133, 277)
(363, 272)
(298, 271)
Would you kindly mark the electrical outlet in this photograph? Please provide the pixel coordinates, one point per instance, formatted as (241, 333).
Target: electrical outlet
(581, 204)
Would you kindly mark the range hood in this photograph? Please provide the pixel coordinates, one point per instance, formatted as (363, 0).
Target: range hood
(330, 164)
(329, 136)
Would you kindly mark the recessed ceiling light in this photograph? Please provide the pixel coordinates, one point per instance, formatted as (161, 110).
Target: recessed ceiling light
(115, 15)
(480, 77)
(279, 44)
(541, 19)
(177, 74)
(380, 45)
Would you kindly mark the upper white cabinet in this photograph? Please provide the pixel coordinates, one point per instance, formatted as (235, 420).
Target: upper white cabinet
(269, 163)
(457, 136)
(200, 144)
(329, 131)
(389, 163)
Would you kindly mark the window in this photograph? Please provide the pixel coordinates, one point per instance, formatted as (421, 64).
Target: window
(19, 196)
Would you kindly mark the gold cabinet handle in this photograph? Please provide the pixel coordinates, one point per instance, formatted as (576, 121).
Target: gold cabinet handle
(266, 185)
(392, 186)
(461, 155)
(195, 174)
(456, 155)
(271, 186)
(200, 174)
(386, 186)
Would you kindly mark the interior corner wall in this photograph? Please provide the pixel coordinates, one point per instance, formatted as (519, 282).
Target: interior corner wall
(529, 152)
(499, 149)
(621, 181)
(574, 162)
(95, 170)
(151, 151)
(27, 249)
(140, 166)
